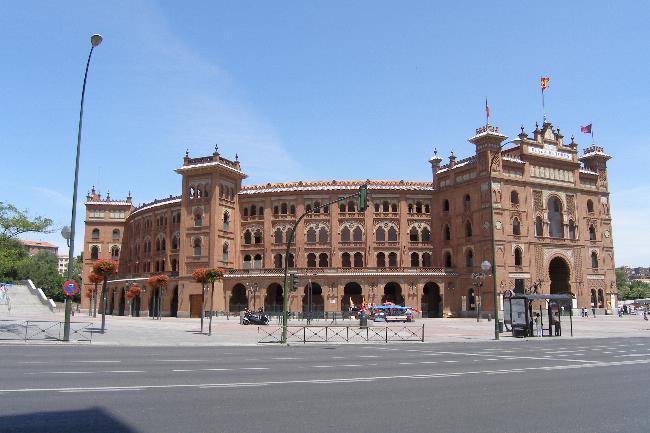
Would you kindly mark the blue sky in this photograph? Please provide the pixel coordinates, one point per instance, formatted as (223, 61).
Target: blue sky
(312, 90)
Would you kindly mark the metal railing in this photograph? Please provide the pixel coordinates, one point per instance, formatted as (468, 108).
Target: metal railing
(43, 330)
(341, 334)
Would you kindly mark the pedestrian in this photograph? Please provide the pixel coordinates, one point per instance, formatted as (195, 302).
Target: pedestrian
(556, 320)
(538, 324)
(645, 314)
(593, 311)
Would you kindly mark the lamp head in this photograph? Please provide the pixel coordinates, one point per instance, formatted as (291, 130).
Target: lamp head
(65, 232)
(96, 40)
(486, 266)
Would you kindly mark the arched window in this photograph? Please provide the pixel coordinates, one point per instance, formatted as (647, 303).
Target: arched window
(175, 240)
(116, 235)
(323, 261)
(447, 260)
(258, 236)
(323, 235)
(392, 260)
(469, 258)
(289, 234)
(245, 211)
(380, 234)
(381, 260)
(426, 208)
(225, 253)
(385, 206)
(601, 299)
(276, 210)
(345, 234)
(377, 207)
(158, 244)
(467, 202)
(594, 260)
(418, 207)
(197, 246)
(514, 197)
(174, 266)
(426, 234)
(447, 233)
(94, 252)
(445, 205)
(357, 234)
(257, 261)
(351, 206)
(539, 226)
(311, 260)
(283, 208)
(277, 236)
(426, 260)
(409, 208)
(393, 207)
(592, 233)
(247, 261)
(358, 260)
(95, 234)
(415, 260)
(260, 211)
(277, 261)
(518, 257)
(226, 220)
(516, 227)
(163, 244)
(248, 237)
(253, 210)
(555, 228)
(292, 209)
(342, 207)
(572, 230)
(468, 229)
(590, 206)
(414, 236)
(316, 207)
(392, 234)
(308, 208)
(290, 260)
(311, 237)
(198, 220)
(345, 260)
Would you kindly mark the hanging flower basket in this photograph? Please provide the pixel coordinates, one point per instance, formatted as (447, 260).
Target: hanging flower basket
(95, 278)
(105, 267)
(89, 293)
(212, 275)
(160, 280)
(199, 275)
(135, 291)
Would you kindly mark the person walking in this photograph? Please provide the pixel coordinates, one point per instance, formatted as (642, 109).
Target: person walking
(538, 324)
(556, 321)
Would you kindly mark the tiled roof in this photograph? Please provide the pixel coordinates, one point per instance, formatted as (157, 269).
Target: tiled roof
(335, 185)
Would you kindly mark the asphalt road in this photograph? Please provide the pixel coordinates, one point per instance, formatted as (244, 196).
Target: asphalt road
(595, 385)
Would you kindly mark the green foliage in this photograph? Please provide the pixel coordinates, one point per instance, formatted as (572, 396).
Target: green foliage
(12, 253)
(633, 290)
(14, 222)
(42, 269)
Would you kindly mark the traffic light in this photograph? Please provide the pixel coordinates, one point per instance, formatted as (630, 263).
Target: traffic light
(293, 285)
(363, 198)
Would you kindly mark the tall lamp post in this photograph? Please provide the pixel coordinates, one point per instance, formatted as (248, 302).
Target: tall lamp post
(494, 252)
(95, 40)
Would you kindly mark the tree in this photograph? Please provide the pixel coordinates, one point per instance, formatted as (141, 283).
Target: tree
(12, 253)
(14, 222)
(104, 268)
(158, 283)
(42, 269)
(199, 276)
(212, 275)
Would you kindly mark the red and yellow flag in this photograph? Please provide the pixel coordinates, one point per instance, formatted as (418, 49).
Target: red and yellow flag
(543, 82)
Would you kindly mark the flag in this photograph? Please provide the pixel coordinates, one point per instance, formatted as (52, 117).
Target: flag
(586, 129)
(487, 109)
(543, 82)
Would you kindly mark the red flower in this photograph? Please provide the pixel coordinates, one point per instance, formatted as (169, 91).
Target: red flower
(160, 280)
(105, 267)
(199, 275)
(95, 278)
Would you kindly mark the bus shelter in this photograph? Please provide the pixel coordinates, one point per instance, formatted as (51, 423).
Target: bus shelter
(521, 315)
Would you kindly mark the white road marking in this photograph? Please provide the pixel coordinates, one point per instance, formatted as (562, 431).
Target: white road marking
(322, 366)
(123, 371)
(181, 360)
(216, 369)
(368, 356)
(406, 363)
(182, 370)
(428, 362)
(333, 380)
(449, 361)
(352, 365)
(101, 390)
(285, 358)
(62, 372)
(254, 368)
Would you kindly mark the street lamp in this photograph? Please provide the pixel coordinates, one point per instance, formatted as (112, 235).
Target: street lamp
(95, 40)
(478, 278)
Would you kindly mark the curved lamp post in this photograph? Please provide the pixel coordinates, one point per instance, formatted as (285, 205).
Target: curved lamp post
(95, 40)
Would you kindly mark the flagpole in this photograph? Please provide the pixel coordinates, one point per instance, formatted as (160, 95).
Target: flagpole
(487, 113)
(592, 132)
(543, 106)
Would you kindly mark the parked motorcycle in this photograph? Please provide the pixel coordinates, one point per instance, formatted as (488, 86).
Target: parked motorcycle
(258, 318)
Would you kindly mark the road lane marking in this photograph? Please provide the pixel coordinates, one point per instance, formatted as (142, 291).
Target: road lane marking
(61, 372)
(181, 360)
(216, 369)
(368, 356)
(352, 365)
(322, 366)
(331, 380)
(254, 368)
(284, 358)
(182, 370)
(123, 371)
(428, 362)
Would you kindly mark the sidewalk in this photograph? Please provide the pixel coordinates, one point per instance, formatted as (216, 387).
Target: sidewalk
(144, 331)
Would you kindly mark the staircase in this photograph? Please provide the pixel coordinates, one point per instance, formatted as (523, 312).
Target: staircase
(24, 300)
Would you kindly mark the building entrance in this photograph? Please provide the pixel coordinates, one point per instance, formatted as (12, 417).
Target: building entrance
(273, 299)
(238, 299)
(393, 293)
(430, 303)
(559, 272)
(352, 295)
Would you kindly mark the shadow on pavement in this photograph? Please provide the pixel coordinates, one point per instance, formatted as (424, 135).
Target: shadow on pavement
(95, 419)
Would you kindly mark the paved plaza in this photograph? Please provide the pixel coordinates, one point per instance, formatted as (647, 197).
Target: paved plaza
(144, 331)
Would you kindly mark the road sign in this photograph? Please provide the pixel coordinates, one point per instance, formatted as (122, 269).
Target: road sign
(70, 287)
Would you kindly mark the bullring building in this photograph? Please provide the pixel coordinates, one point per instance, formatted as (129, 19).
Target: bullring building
(418, 244)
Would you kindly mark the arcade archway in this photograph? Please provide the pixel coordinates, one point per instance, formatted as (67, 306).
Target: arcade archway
(173, 303)
(314, 304)
(430, 303)
(393, 293)
(238, 299)
(352, 294)
(273, 298)
(559, 274)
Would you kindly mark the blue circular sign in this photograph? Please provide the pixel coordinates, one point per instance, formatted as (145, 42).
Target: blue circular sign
(70, 287)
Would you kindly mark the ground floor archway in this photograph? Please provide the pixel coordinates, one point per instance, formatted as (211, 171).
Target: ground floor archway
(352, 296)
(393, 293)
(173, 303)
(559, 274)
(430, 302)
(238, 299)
(314, 304)
(273, 299)
(121, 303)
(135, 306)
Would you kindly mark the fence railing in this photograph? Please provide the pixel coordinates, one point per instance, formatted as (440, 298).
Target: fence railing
(43, 330)
(341, 334)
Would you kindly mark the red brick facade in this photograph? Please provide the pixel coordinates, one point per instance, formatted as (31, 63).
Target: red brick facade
(418, 243)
